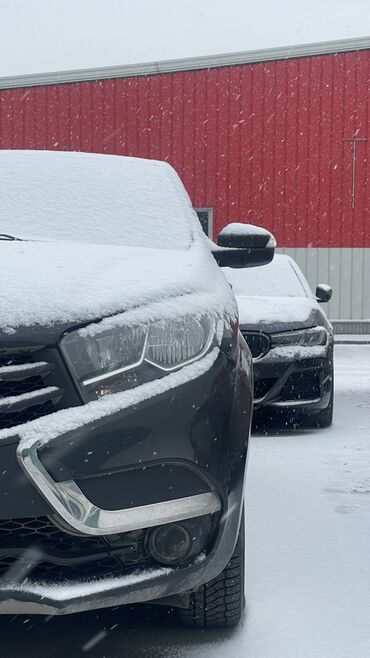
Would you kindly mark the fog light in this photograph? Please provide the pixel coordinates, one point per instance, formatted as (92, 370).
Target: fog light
(170, 544)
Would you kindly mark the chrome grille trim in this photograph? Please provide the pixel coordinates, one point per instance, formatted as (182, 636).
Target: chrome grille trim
(24, 370)
(31, 385)
(26, 400)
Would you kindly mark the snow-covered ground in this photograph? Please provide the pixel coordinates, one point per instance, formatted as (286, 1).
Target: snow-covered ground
(308, 555)
(308, 559)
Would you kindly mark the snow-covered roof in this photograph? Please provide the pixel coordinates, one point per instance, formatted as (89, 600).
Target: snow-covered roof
(101, 199)
(102, 235)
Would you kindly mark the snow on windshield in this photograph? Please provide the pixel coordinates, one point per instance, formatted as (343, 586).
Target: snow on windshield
(91, 198)
(277, 279)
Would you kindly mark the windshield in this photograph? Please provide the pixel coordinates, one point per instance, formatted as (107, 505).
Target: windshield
(90, 198)
(277, 279)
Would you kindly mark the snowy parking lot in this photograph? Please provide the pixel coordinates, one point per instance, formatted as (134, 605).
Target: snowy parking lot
(308, 555)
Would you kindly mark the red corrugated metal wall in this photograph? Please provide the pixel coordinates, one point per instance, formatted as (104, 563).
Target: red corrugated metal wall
(264, 143)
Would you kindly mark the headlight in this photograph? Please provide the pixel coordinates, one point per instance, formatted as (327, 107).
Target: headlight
(126, 356)
(305, 337)
(171, 344)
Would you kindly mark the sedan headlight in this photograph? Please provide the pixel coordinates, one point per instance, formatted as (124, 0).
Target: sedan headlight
(126, 356)
(172, 344)
(306, 337)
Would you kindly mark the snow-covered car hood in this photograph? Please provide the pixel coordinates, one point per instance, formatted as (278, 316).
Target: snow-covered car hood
(274, 314)
(54, 284)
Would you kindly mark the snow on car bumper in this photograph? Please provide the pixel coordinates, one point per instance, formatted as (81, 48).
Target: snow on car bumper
(294, 378)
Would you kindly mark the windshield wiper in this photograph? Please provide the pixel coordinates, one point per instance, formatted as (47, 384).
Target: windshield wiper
(6, 236)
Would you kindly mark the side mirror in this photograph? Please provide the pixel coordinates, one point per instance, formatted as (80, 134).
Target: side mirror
(244, 245)
(323, 293)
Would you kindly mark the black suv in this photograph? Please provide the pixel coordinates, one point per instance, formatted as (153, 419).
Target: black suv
(125, 391)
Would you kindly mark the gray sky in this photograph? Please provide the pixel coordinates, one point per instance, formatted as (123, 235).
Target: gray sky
(51, 35)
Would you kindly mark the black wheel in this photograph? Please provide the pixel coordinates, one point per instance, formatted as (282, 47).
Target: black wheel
(220, 603)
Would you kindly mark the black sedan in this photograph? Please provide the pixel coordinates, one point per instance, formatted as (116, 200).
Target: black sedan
(291, 341)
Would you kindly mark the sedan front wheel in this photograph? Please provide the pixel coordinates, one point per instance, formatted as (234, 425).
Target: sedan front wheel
(220, 603)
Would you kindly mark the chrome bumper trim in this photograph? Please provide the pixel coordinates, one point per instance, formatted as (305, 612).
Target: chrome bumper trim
(294, 403)
(72, 506)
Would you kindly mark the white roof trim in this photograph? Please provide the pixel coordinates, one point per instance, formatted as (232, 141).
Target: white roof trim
(187, 64)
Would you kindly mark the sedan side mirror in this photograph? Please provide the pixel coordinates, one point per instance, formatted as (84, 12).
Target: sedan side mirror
(323, 293)
(244, 245)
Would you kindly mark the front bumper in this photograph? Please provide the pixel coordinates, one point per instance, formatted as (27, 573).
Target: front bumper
(178, 455)
(286, 378)
(141, 586)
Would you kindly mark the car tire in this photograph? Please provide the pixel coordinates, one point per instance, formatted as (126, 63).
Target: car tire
(221, 602)
(323, 418)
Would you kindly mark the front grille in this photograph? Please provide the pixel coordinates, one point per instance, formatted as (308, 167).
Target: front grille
(258, 343)
(36, 549)
(25, 390)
